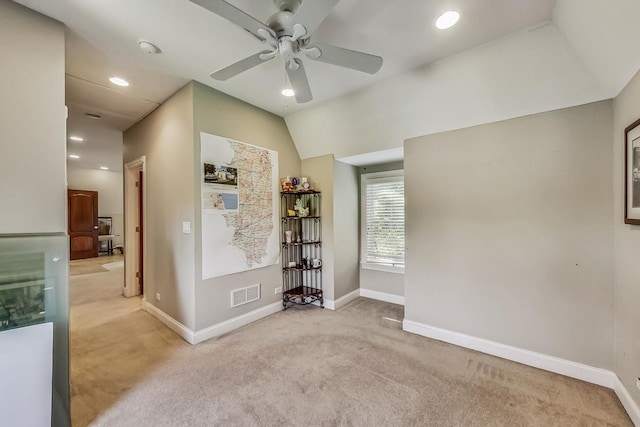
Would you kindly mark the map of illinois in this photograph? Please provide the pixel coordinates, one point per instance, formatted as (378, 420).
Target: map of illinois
(253, 222)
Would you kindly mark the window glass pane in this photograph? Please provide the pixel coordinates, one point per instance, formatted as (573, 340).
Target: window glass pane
(384, 221)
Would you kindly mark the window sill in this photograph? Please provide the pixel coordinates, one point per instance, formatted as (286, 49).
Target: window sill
(382, 267)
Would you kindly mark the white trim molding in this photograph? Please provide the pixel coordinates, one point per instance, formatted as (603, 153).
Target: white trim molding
(382, 296)
(236, 322)
(171, 323)
(131, 213)
(330, 304)
(565, 367)
(627, 401)
(345, 299)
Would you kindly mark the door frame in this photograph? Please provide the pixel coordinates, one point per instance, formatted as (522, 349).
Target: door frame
(131, 213)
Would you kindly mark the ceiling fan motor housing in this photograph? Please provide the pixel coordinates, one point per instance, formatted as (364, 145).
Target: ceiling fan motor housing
(281, 23)
(288, 5)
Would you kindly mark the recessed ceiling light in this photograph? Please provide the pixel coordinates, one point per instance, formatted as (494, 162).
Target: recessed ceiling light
(104, 168)
(447, 20)
(74, 156)
(76, 138)
(148, 47)
(118, 81)
(288, 92)
(93, 116)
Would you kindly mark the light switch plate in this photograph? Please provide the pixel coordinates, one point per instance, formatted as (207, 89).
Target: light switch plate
(186, 227)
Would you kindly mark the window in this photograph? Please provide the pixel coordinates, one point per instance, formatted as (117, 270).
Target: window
(383, 221)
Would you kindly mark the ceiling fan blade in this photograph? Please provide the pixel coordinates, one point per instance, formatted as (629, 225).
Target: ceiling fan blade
(240, 66)
(299, 82)
(234, 15)
(311, 13)
(348, 58)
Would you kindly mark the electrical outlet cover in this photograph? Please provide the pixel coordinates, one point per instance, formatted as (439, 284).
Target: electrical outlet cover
(278, 290)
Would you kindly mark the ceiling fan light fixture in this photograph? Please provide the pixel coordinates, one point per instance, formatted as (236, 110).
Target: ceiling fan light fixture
(119, 81)
(288, 92)
(447, 20)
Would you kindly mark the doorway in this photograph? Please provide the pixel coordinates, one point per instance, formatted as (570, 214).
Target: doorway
(134, 233)
(83, 223)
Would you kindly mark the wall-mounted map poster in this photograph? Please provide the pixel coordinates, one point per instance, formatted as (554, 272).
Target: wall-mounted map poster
(239, 206)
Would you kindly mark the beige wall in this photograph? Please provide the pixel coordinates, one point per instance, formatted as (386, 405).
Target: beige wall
(626, 110)
(166, 138)
(509, 232)
(108, 184)
(32, 122)
(319, 170)
(345, 229)
(223, 115)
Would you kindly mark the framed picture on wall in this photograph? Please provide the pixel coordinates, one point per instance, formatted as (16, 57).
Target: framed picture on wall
(632, 173)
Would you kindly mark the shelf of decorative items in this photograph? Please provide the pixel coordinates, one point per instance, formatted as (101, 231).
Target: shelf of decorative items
(301, 236)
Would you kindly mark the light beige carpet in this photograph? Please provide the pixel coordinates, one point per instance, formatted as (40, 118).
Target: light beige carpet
(303, 367)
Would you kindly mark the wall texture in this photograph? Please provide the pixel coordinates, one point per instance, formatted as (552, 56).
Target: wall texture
(166, 137)
(345, 229)
(223, 115)
(32, 122)
(510, 234)
(319, 170)
(626, 110)
(108, 184)
(524, 73)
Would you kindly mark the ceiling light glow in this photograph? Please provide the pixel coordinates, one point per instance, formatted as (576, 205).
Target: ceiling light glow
(74, 156)
(119, 81)
(288, 92)
(76, 138)
(447, 20)
(104, 168)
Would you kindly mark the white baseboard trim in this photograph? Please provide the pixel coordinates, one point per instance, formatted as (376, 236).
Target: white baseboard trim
(236, 322)
(177, 327)
(330, 304)
(571, 369)
(382, 296)
(346, 299)
(627, 401)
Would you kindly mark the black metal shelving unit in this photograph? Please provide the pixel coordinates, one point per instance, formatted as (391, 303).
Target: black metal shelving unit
(301, 235)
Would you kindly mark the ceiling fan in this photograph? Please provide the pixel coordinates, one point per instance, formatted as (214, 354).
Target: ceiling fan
(288, 33)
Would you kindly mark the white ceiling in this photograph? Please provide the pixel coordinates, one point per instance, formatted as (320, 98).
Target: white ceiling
(102, 41)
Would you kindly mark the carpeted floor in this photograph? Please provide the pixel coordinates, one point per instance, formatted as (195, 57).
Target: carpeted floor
(301, 367)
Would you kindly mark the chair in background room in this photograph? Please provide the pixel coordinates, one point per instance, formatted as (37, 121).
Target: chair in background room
(105, 234)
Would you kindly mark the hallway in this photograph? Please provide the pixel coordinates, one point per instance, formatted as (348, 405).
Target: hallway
(114, 344)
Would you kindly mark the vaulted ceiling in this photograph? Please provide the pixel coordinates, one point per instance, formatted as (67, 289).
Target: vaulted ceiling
(589, 44)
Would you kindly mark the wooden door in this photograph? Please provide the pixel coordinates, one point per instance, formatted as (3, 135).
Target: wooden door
(83, 223)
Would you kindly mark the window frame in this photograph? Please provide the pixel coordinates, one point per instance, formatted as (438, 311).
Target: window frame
(365, 180)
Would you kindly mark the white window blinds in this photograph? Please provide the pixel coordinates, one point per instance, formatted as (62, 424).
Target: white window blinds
(383, 219)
